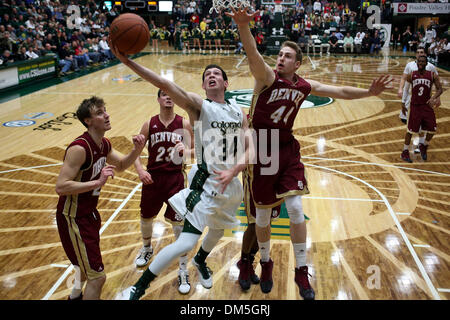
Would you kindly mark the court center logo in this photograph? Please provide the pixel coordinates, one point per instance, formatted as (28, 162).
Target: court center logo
(243, 98)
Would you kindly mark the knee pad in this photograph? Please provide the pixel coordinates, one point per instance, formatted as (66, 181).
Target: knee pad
(294, 208)
(263, 217)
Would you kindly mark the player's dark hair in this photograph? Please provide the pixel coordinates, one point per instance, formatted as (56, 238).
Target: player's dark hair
(85, 108)
(293, 45)
(211, 66)
(423, 57)
(159, 93)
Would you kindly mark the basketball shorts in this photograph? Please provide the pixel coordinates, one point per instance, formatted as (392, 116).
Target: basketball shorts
(153, 196)
(269, 190)
(205, 208)
(421, 116)
(80, 238)
(249, 204)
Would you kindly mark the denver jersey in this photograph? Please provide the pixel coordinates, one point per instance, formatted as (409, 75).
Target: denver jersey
(161, 141)
(277, 106)
(421, 87)
(82, 204)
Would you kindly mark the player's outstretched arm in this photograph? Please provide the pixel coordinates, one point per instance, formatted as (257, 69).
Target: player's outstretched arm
(349, 93)
(124, 162)
(74, 159)
(260, 70)
(189, 101)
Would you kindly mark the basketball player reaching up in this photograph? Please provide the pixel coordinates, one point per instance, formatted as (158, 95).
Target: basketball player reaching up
(277, 97)
(215, 192)
(421, 113)
(164, 177)
(83, 173)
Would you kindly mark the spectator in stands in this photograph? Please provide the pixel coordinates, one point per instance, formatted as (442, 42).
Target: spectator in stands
(22, 56)
(66, 59)
(395, 38)
(375, 43)
(443, 54)
(366, 43)
(339, 35)
(406, 37)
(261, 46)
(31, 54)
(358, 41)
(333, 42)
(348, 42)
(303, 42)
(104, 48)
(80, 56)
(317, 7)
(325, 43)
(6, 58)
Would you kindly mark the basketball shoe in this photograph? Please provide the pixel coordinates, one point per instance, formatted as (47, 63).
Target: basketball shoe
(405, 156)
(183, 282)
(423, 151)
(137, 291)
(301, 278)
(247, 274)
(144, 256)
(204, 274)
(266, 276)
(80, 297)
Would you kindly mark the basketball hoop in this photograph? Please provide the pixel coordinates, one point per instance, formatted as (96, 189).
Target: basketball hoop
(278, 5)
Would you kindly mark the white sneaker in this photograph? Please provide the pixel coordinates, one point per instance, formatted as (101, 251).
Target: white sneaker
(204, 274)
(183, 282)
(143, 256)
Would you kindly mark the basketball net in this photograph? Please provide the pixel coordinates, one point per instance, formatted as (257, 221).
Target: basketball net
(219, 5)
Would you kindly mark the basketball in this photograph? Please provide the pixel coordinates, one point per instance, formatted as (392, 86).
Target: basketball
(129, 33)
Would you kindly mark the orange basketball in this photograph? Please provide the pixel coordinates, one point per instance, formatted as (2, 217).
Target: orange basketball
(129, 33)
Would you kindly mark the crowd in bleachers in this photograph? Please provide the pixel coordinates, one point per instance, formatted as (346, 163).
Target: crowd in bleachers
(31, 28)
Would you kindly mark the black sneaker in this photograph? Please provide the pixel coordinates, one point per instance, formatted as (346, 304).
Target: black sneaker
(301, 279)
(136, 292)
(266, 276)
(204, 274)
(423, 151)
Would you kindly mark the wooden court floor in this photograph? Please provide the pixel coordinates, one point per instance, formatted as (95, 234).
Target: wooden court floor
(378, 227)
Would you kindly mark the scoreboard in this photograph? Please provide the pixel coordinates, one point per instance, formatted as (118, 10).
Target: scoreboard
(139, 6)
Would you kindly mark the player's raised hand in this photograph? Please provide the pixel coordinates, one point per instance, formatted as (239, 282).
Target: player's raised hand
(119, 55)
(107, 171)
(380, 84)
(241, 16)
(139, 141)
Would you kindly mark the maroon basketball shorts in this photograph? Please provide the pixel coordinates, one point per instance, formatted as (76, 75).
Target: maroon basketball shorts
(80, 238)
(421, 116)
(164, 186)
(268, 191)
(250, 209)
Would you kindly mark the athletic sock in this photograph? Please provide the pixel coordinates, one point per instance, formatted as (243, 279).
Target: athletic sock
(183, 262)
(201, 255)
(422, 140)
(406, 147)
(146, 278)
(264, 250)
(300, 254)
